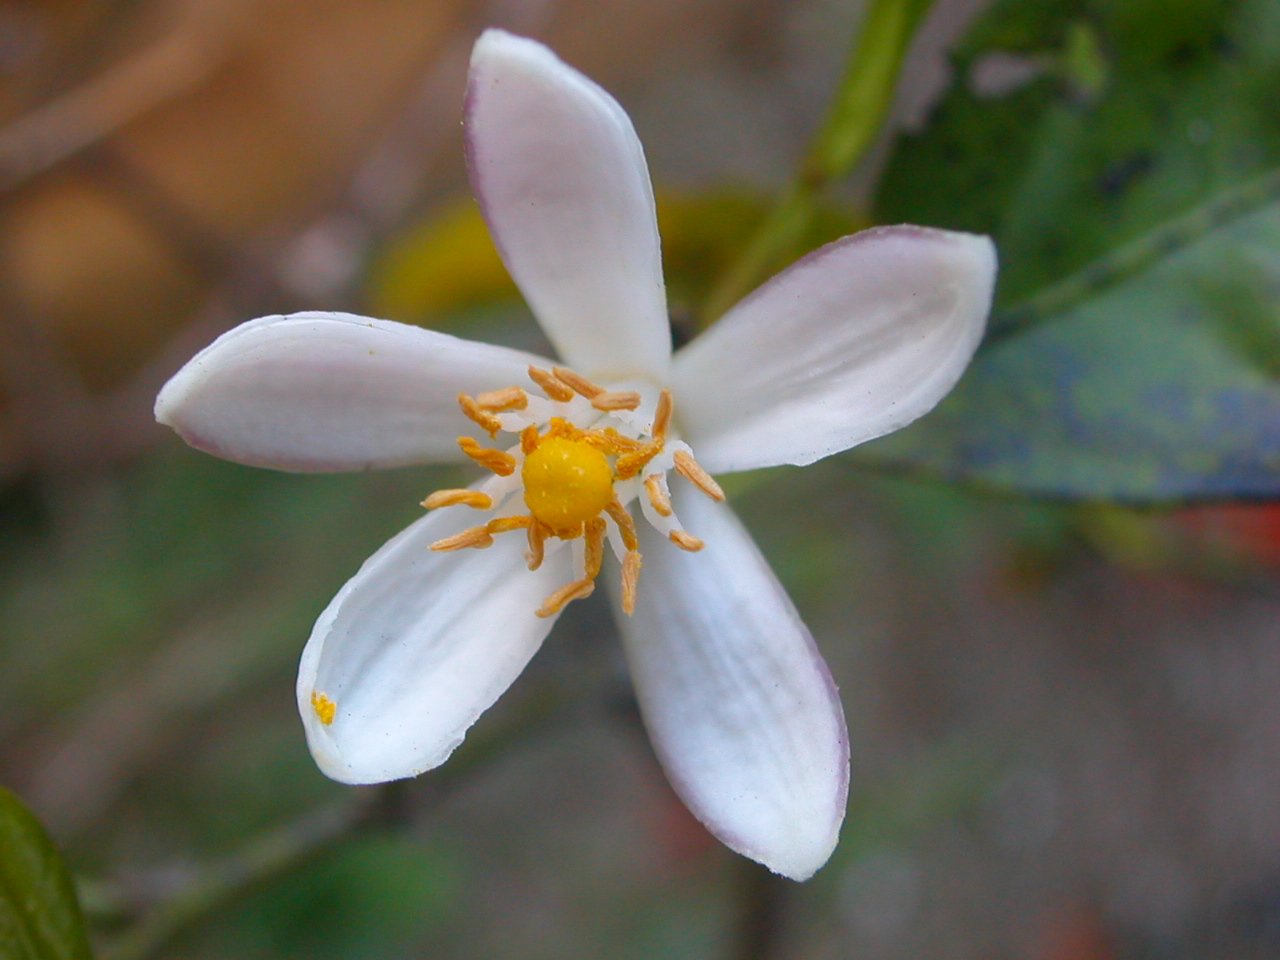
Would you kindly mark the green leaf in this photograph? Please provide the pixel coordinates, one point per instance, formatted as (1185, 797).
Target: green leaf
(39, 916)
(1163, 388)
(1154, 380)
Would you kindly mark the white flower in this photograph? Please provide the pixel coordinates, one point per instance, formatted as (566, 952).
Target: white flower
(852, 342)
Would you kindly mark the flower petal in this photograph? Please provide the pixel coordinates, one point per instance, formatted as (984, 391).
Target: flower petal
(332, 391)
(852, 342)
(417, 645)
(562, 181)
(739, 704)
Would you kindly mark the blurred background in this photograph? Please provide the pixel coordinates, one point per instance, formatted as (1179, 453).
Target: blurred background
(1053, 607)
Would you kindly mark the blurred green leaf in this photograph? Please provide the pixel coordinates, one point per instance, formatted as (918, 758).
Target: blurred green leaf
(1138, 395)
(1154, 381)
(39, 916)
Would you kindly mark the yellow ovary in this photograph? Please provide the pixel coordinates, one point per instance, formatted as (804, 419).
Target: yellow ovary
(566, 483)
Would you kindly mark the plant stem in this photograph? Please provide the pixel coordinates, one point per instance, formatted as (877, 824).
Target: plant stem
(853, 122)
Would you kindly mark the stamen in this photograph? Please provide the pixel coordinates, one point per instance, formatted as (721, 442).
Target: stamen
(595, 547)
(691, 471)
(630, 464)
(325, 708)
(578, 590)
(662, 416)
(486, 421)
(506, 524)
(686, 541)
(626, 525)
(538, 533)
(451, 498)
(580, 384)
(657, 496)
(552, 387)
(499, 461)
(630, 578)
(499, 401)
(609, 400)
(476, 537)
(529, 439)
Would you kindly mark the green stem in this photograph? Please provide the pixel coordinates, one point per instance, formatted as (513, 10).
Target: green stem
(1133, 258)
(853, 122)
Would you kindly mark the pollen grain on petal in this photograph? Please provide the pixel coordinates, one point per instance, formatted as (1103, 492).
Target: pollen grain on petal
(692, 471)
(499, 461)
(451, 498)
(476, 537)
(551, 386)
(686, 541)
(325, 708)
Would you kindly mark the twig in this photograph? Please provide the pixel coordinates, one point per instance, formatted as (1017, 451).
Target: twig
(854, 120)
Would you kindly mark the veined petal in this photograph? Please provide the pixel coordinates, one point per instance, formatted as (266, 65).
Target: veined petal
(562, 182)
(852, 342)
(416, 646)
(331, 391)
(738, 702)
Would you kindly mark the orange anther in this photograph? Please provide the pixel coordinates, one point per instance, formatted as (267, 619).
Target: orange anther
(580, 384)
(500, 462)
(577, 590)
(686, 541)
(552, 387)
(475, 537)
(505, 524)
(609, 400)
(496, 401)
(528, 439)
(538, 533)
(626, 525)
(452, 498)
(483, 419)
(662, 415)
(691, 471)
(658, 498)
(630, 579)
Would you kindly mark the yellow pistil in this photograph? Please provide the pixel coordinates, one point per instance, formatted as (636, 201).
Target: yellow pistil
(325, 708)
(566, 483)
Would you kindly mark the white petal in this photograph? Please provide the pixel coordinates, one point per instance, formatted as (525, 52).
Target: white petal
(332, 391)
(852, 342)
(417, 645)
(562, 181)
(739, 704)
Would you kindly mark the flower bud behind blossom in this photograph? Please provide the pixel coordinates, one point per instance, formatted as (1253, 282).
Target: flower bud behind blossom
(609, 450)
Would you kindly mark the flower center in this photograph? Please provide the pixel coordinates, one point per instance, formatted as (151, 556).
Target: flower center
(584, 454)
(566, 483)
